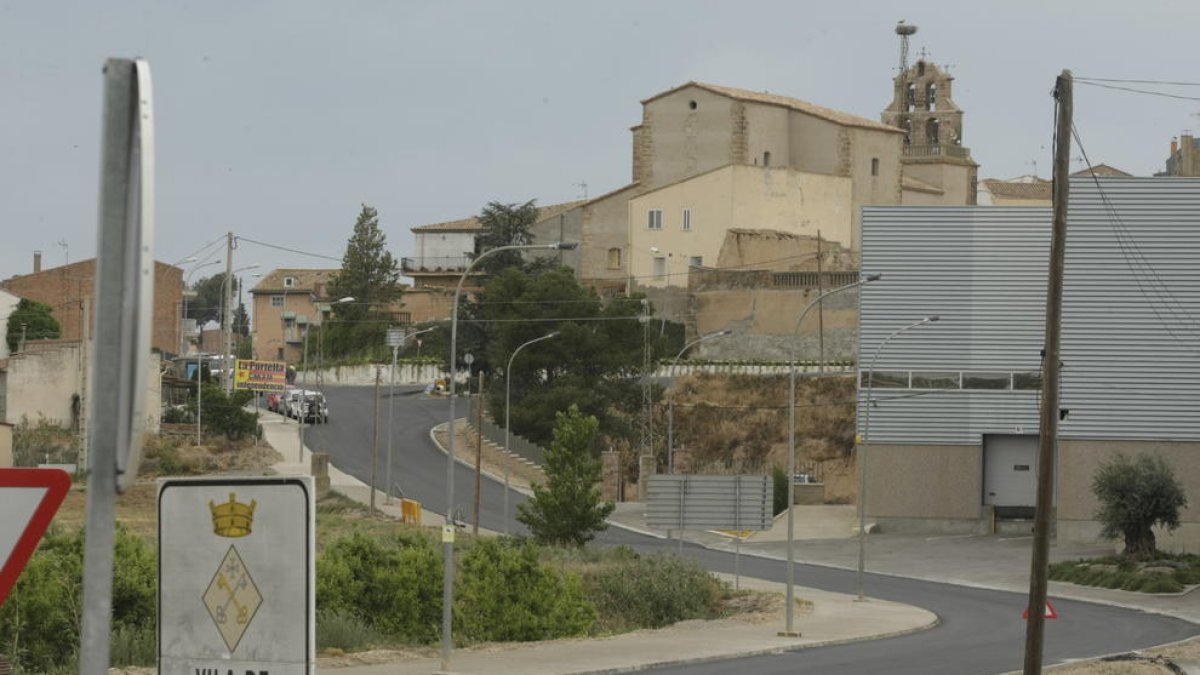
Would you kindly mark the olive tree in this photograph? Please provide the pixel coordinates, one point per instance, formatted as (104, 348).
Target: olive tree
(1136, 493)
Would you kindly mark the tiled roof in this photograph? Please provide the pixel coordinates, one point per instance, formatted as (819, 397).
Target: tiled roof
(910, 183)
(835, 116)
(472, 224)
(306, 280)
(1102, 170)
(1007, 190)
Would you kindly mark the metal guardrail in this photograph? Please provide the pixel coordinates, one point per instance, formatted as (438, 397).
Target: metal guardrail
(522, 447)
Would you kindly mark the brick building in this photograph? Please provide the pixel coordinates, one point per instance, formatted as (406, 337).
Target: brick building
(70, 291)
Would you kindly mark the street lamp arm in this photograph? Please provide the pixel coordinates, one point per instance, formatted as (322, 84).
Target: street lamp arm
(816, 301)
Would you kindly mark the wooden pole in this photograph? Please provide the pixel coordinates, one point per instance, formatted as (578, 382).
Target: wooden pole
(1048, 428)
(478, 452)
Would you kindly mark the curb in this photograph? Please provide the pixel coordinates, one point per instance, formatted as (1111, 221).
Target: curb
(482, 471)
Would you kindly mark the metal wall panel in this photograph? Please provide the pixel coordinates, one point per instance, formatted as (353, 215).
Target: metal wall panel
(1131, 313)
(691, 502)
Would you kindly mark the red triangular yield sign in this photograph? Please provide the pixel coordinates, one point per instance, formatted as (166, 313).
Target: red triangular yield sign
(30, 497)
(1050, 612)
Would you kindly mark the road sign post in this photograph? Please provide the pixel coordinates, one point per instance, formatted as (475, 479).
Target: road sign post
(30, 498)
(236, 587)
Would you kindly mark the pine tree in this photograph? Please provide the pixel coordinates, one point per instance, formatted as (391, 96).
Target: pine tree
(505, 225)
(370, 275)
(567, 509)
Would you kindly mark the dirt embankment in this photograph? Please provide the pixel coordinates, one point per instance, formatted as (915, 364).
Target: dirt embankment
(736, 423)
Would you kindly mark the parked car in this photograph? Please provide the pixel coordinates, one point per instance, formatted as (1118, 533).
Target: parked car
(308, 405)
(275, 401)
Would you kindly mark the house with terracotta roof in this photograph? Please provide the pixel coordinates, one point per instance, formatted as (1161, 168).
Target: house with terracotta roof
(286, 303)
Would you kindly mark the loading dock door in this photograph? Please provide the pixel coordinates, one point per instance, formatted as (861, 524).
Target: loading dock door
(1010, 472)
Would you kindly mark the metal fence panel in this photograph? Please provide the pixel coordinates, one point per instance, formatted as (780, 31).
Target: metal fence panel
(691, 502)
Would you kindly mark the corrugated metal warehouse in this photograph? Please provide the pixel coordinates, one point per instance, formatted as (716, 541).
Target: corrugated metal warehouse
(952, 435)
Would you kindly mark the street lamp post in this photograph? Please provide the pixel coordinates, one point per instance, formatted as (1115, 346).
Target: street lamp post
(186, 282)
(671, 396)
(789, 627)
(507, 393)
(448, 532)
(387, 479)
(862, 454)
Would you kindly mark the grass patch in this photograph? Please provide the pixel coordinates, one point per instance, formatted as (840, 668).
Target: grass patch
(1166, 573)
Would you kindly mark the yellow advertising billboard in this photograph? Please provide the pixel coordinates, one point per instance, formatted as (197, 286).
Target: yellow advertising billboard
(260, 375)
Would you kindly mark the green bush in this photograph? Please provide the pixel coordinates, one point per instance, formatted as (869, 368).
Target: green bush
(394, 586)
(340, 629)
(652, 591)
(40, 621)
(226, 415)
(779, 481)
(506, 594)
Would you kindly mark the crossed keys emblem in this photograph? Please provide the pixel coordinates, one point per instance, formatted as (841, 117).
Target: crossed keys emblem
(232, 598)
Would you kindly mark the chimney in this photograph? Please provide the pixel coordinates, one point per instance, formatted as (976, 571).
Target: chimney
(37, 259)
(1174, 147)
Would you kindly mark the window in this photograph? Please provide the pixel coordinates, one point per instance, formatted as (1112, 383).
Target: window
(767, 159)
(687, 219)
(1031, 380)
(660, 266)
(883, 379)
(692, 105)
(614, 258)
(934, 380)
(696, 261)
(986, 380)
(277, 301)
(654, 219)
(289, 282)
(874, 166)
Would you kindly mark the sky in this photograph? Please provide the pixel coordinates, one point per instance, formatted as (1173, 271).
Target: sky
(277, 119)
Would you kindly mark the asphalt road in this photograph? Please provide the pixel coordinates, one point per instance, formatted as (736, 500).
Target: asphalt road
(980, 631)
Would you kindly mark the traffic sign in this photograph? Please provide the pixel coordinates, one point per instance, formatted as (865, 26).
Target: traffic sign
(236, 586)
(1050, 613)
(30, 497)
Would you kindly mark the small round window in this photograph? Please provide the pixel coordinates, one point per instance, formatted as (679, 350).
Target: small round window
(692, 105)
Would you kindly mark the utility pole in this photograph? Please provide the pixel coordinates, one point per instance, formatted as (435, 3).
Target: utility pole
(227, 298)
(478, 451)
(1048, 426)
(375, 442)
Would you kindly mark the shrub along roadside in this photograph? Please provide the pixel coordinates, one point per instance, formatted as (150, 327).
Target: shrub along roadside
(1165, 574)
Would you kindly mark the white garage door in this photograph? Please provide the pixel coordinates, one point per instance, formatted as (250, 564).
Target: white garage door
(1010, 470)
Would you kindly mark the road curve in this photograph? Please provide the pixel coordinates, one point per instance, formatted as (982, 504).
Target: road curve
(979, 631)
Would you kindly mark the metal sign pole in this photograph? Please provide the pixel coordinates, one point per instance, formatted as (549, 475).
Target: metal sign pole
(124, 290)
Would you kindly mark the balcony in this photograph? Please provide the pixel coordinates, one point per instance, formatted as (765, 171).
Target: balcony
(434, 265)
(937, 150)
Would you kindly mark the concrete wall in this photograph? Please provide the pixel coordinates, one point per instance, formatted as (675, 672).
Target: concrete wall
(42, 380)
(733, 197)
(957, 181)
(1077, 505)
(893, 470)
(764, 320)
(408, 374)
(427, 303)
(443, 250)
(6, 445)
(681, 141)
(921, 198)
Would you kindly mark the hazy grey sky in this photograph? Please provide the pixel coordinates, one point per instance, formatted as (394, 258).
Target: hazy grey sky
(276, 119)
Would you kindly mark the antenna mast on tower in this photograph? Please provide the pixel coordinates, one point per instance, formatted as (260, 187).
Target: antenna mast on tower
(904, 30)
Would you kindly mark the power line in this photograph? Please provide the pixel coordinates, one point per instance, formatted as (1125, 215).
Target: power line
(286, 249)
(1162, 82)
(1142, 91)
(1130, 250)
